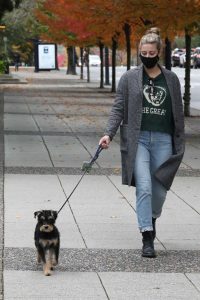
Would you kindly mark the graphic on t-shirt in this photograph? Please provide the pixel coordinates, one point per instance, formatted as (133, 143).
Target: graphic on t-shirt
(157, 97)
(156, 105)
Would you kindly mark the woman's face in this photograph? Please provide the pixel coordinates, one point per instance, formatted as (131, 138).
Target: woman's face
(149, 50)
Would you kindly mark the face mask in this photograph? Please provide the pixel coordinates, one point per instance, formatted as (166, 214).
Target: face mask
(149, 62)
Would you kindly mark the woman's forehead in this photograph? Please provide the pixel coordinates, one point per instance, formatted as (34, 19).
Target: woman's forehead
(148, 47)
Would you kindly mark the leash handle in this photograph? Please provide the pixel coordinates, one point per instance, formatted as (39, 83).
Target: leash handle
(99, 149)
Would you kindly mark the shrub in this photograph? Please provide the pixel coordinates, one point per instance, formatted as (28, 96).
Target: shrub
(2, 67)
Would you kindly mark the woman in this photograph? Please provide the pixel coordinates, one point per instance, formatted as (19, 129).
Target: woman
(149, 103)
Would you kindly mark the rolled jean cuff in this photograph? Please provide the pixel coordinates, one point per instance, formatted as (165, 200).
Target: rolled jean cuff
(149, 228)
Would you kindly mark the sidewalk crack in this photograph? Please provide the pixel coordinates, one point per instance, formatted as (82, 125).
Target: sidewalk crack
(103, 286)
(196, 288)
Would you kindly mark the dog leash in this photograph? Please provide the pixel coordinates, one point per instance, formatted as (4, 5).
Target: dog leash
(87, 166)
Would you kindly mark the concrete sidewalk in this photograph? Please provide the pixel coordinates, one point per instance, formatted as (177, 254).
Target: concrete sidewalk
(47, 134)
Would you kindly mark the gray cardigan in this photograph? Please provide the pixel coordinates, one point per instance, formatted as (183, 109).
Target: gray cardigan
(130, 93)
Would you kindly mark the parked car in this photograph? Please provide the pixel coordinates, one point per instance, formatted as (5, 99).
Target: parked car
(197, 58)
(94, 60)
(175, 58)
(183, 59)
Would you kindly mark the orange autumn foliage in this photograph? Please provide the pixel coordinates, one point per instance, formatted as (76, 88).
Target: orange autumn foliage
(88, 22)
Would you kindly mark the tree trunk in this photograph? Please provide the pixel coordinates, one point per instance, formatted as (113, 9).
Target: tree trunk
(167, 54)
(114, 49)
(81, 55)
(127, 31)
(101, 46)
(107, 79)
(36, 58)
(86, 61)
(71, 66)
(186, 96)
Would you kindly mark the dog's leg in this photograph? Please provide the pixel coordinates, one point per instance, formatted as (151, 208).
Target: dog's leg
(47, 266)
(54, 259)
(47, 269)
(40, 254)
(39, 259)
(57, 249)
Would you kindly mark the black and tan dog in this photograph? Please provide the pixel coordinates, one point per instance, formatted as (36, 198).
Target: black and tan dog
(47, 240)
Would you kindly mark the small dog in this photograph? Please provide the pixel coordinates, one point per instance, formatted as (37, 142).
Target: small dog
(47, 240)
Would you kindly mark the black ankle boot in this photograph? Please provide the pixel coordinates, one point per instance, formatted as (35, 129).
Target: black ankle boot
(148, 246)
(154, 228)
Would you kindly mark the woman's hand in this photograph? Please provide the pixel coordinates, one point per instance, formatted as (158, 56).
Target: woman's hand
(105, 141)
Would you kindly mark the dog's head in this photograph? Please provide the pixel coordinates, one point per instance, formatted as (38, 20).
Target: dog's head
(46, 219)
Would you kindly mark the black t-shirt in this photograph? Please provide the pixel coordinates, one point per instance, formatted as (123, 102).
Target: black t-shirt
(157, 107)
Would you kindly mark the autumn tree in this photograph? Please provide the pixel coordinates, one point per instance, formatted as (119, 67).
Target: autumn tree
(184, 19)
(8, 5)
(112, 23)
(62, 25)
(108, 23)
(21, 28)
(115, 23)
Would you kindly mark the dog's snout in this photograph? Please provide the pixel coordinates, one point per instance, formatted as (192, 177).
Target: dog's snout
(46, 226)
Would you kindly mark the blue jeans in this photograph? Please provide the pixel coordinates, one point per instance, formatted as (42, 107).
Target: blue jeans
(154, 148)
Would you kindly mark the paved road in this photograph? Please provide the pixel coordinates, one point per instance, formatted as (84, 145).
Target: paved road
(49, 130)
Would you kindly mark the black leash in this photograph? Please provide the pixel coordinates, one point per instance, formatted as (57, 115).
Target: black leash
(87, 166)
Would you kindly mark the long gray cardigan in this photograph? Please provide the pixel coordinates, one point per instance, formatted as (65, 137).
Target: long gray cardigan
(130, 94)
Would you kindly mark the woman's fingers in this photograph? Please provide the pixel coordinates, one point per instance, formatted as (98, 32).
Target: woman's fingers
(104, 141)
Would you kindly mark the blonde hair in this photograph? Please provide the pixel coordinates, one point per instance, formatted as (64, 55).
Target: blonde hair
(152, 36)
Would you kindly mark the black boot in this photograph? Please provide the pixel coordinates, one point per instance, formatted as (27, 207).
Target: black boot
(154, 228)
(148, 246)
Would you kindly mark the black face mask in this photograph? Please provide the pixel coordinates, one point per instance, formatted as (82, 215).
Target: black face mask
(149, 62)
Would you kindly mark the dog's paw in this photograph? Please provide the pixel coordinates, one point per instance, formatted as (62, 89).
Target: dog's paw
(47, 270)
(47, 273)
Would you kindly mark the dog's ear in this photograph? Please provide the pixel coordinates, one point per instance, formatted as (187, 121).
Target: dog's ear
(37, 213)
(55, 214)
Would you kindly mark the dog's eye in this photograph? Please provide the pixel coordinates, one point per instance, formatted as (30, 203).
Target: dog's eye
(50, 218)
(42, 218)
